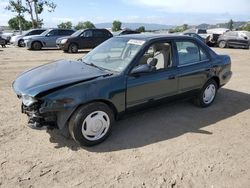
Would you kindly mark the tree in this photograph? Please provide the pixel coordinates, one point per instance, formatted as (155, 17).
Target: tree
(16, 6)
(230, 24)
(39, 7)
(185, 27)
(36, 7)
(65, 25)
(14, 23)
(141, 29)
(85, 25)
(116, 25)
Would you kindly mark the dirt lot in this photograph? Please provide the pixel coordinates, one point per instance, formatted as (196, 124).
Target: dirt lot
(175, 145)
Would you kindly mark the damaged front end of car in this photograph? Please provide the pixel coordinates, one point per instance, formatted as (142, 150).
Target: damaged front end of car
(35, 109)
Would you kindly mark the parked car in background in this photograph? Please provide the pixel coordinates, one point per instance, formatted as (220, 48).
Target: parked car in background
(196, 36)
(125, 32)
(46, 39)
(83, 39)
(6, 36)
(85, 97)
(236, 39)
(209, 35)
(2, 42)
(17, 40)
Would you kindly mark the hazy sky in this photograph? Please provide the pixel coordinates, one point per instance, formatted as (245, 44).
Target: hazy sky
(170, 12)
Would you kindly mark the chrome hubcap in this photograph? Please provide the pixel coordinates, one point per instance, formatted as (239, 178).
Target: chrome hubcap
(222, 44)
(209, 94)
(95, 125)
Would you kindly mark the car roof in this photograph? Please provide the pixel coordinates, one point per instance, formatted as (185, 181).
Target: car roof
(149, 37)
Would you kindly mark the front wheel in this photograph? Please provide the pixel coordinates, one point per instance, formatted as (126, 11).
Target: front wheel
(207, 94)
(36, 46)
(73, 48)
(21, 43)
(222, 44)
(91, 124)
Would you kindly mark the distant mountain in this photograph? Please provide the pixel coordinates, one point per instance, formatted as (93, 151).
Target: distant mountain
(136, 25)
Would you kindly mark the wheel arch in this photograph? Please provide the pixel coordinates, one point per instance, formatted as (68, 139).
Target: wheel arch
(216, 79)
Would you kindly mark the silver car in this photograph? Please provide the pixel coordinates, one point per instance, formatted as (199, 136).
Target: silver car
(46, 39)
(17, 40)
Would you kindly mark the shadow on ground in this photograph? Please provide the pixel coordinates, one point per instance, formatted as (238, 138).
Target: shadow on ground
(164, 122)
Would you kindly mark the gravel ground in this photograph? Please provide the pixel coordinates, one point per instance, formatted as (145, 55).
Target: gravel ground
(173, 145)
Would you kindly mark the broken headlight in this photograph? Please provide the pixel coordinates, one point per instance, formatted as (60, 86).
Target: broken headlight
(28, 100)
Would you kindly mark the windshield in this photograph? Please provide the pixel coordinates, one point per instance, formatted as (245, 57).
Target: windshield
(115, 54)
(246, 33)
(77, 33)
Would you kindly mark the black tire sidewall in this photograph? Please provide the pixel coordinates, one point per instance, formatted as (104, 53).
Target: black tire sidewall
(20, 42)
(200, 96)
(76, 121)
(70, 48)
(33, 45)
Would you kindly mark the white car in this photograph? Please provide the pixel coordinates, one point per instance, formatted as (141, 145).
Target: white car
(18, 39)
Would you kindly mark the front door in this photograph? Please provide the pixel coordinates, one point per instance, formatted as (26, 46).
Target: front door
(161, 82)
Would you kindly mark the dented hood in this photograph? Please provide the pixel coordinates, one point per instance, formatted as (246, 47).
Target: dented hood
(54, 75)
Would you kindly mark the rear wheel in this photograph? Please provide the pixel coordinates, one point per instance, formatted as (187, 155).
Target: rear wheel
(73, 48)
(222, 44)
(91, 124)
(207, 94)
(36, 46)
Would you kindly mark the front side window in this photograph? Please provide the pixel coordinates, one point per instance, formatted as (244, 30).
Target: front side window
(189, 53)
(114, 54)
(161, 51)
(53, 33)
(87, 34)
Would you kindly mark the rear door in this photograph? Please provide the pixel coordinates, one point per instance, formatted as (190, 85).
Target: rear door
(99, 37)
(193, 65)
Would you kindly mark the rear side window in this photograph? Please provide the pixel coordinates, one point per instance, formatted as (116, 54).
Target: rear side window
(65, 32)
(189, 53)
(99, 34)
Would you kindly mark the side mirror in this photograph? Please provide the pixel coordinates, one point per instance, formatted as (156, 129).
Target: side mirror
(145, 68)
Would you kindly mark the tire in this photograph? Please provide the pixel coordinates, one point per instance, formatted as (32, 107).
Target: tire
(207, 94)
(222, 44)
(73, 48)
(91, 123)
(21, 43)
(36, 45)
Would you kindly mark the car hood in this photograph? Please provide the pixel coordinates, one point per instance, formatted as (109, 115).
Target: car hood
(61, 38)
(54, 75)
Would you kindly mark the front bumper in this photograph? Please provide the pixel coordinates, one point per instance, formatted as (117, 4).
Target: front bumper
(62, 46)
(38, 120)
(27, 43)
